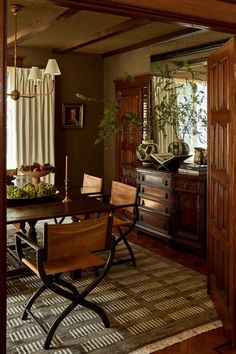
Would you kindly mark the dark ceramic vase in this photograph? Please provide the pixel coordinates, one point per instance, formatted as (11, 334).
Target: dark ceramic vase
(178, 147)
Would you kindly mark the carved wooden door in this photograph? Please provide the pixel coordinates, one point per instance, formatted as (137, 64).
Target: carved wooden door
(130, 101)
(222, 184)
(132, 94)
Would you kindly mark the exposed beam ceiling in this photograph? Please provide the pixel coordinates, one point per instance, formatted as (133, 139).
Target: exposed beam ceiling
(69, 25)
(157, 40)
(117, 29)
(221, 18)
(28, 32)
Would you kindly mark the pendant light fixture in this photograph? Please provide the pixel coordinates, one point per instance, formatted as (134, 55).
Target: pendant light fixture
(52, 68)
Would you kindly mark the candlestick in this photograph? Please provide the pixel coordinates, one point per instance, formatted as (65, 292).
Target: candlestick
(66, 169)
(66, 199)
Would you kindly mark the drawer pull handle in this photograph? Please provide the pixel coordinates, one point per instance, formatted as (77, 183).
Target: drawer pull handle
(143, 202)
(165, 181)
(167, 195)
(186, 185)
(167, 211)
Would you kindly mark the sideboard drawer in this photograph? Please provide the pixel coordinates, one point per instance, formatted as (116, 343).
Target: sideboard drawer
(155, 220)
(190, 184)
(156, 192)
(156, 205)
(156, 179)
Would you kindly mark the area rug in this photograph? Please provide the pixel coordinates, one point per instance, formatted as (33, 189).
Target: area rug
(150, 306)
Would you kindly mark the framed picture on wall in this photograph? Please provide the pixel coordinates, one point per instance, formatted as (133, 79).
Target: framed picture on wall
(72, 115)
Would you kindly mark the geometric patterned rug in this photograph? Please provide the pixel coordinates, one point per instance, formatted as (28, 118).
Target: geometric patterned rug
(150, 306)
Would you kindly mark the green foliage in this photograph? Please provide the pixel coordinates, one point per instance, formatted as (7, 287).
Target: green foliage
(30, 190)
(180, 114)
(183, 114)
(112, 121)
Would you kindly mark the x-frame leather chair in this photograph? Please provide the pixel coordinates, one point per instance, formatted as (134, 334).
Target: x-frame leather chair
(124, 197)
(92, 184)
(68, 247)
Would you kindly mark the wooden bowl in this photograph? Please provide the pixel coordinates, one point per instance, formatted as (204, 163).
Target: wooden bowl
(35, 175)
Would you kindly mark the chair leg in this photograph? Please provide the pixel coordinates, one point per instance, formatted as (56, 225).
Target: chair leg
(67, 310)
(32, 300)
(122, 237)
(98, 310)
(67, 285)
(130, 251)
(56, 323)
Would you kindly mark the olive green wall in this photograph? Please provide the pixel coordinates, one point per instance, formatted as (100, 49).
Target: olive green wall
(93, 77)
(81, 73)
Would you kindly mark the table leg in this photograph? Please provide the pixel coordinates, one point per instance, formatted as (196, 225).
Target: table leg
(32, 234)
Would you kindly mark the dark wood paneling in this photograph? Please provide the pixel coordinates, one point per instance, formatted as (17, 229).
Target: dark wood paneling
(222, 186)
(3, 5)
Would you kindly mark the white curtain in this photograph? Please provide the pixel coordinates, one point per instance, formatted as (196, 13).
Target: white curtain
(163, 141)
(30, 124)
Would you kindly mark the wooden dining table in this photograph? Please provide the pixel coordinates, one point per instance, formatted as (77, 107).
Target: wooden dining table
(53, 208)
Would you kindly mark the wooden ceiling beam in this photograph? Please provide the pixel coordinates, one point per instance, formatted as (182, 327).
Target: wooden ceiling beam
(58, 16)
(109, 32)
(221, 18)
(183, 33)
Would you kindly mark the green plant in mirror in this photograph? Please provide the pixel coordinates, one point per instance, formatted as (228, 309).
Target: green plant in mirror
(178, 103)
(113, 122)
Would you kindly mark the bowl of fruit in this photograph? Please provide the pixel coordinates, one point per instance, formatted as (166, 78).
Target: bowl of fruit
(37, 170)
(31, 193)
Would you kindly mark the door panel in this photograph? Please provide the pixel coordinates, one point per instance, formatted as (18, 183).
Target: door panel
(222, 185)
(130, 101)
(131, 93)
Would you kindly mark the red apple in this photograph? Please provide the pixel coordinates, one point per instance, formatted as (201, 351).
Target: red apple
(36, 169)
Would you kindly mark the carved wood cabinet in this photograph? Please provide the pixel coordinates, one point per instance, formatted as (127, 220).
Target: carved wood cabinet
(155, 202)
(172, 207)
(189, 212)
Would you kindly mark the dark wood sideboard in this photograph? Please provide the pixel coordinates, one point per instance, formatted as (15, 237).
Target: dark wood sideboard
(172, 207)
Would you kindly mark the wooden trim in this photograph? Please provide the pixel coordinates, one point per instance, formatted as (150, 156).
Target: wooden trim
(109, 32)
(136, 81)
(229, 1)
(40, 26)
(187, 51)
(183, 33)
(3, 26)
(19, 61)
(186, 12)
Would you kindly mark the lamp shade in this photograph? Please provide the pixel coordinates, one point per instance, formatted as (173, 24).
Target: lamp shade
(52, 68)
(34, 74)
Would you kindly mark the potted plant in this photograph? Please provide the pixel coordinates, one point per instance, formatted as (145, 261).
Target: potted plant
(178, 104)
(113, 122)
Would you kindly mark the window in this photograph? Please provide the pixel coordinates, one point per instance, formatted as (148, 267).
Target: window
(179, 111)
(30, 124)
(186, 92)
(11, 123)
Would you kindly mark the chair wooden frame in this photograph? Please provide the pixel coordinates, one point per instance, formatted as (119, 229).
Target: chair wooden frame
(92, 188)
(124, 197)
(68, 247)
(92, 184)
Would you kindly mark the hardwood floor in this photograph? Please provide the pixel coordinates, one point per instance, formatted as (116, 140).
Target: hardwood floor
(214, 341)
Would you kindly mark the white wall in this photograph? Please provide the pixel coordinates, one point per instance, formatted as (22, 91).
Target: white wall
(131, 63)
